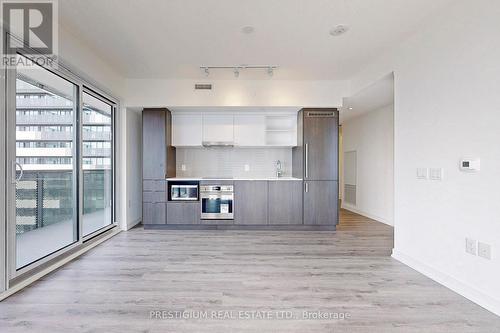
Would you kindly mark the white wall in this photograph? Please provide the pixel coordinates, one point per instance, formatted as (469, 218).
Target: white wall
(134, 168)
(371, 135)
(267, 93)
(87, 63)
(447, 105)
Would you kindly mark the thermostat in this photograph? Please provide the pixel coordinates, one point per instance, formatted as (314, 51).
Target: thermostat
(470, 164)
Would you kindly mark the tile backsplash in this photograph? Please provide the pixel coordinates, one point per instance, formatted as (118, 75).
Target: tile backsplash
(231, 162)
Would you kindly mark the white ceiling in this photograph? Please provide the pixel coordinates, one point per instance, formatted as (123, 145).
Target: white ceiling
(171, 39)
(374, 97)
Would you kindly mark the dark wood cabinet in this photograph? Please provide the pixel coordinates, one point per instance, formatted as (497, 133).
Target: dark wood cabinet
(321, 202)
(158, 155)
(158, 163)
(183, 212)
(154, 212)
(250, 202)
(285, 202)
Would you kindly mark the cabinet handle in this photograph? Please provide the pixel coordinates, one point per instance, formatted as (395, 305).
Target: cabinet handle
(306, 187)
(307, 160)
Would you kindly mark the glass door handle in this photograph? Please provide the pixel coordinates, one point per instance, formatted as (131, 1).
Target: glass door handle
(15, 179)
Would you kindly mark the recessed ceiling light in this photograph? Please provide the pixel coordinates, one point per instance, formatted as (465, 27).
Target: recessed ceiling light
(350, 108)
(247, 29)
(339, 30)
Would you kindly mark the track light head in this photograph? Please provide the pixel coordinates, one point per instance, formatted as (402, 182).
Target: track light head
(207, 73)
(236, 72)
(270, 71)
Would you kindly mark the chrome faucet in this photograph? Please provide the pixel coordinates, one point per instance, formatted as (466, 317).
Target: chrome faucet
(279, 169)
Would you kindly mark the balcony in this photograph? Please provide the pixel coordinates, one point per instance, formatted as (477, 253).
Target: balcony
(36, 243)
(96, 136)
(94, 119)
(66, 119)
(44, 152)
(46, 102)
(96, 152)
(43, 136)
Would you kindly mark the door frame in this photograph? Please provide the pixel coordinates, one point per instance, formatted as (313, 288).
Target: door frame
(113, 103)
(3, 164)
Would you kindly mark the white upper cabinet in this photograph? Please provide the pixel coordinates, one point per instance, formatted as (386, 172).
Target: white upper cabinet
(249, 130)
(218, 128)
(281, 130)
(187, 130)
(241, 129)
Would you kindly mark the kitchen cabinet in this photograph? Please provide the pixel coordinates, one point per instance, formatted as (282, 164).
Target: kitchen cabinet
(158, 162)
(187, 130)
(153, 213)
(158, 154)
(249, 130)
(243, 129)
(321, 202)
(285, 202)
(218, 128)
(183, 212)
(281, 130)
(250, 202)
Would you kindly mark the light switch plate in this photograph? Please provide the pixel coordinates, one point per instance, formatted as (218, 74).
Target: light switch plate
(484, 250)
(422, 173)
(183, 167)
(436, 173)
(471, 246)
(247, 167)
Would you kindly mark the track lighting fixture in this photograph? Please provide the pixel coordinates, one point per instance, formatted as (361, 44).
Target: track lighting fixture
(238, 68)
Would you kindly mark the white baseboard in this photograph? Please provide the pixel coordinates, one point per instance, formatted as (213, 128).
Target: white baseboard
(55, 266)
(132, 224)
(461, 288)
(365, 214)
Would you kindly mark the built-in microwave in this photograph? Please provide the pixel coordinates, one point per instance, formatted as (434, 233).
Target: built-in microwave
(183, 191)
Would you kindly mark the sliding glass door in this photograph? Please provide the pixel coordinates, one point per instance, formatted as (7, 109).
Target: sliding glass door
(60, 152)
(45, 161)
(97, 157)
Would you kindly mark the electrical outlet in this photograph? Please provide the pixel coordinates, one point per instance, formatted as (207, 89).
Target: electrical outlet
(484, 250)
(436, 173)
(247, 167)
(471, 246)
(422, 173)
(183, 167)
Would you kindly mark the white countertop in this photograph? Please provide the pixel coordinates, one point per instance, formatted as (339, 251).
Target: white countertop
(235, 178)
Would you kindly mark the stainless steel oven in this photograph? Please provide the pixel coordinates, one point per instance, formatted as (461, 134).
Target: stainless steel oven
(183, 191)
(217, 202)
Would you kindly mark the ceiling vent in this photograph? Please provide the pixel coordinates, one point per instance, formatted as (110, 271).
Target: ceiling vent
(203, 86)
(320, 114)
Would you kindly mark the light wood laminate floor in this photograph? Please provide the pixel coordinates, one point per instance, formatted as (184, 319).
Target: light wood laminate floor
(119, 284)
